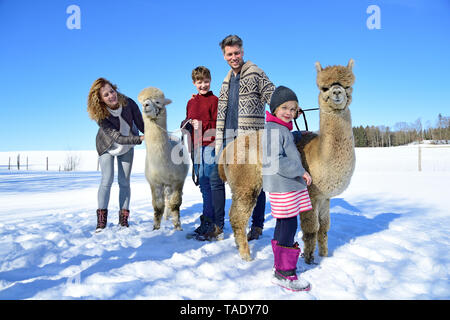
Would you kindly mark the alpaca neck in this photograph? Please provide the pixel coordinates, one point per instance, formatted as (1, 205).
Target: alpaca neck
(336, 135)
(156, 137)
(161, 123)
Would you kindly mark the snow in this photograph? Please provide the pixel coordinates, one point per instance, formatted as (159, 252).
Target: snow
(389, 236)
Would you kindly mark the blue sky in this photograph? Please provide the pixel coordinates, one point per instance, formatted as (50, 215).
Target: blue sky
(46, 69)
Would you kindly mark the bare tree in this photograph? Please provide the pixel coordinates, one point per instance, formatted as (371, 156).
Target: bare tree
(71, 162)
(419, 129)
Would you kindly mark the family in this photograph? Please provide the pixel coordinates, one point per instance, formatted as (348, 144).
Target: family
(240, 107)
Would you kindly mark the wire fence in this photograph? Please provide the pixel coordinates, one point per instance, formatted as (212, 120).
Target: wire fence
(423, 157)
(59, 161)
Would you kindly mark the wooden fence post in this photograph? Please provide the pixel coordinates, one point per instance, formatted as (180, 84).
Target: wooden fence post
(420, 158)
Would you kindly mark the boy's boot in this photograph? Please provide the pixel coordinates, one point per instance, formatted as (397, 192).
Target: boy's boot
(285, 268)
(102, 217)
(215, 234)
(199, 230)
(207, 227)
(123, 217)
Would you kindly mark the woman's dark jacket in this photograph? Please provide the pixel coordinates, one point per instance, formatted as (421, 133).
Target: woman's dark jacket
(109, 131)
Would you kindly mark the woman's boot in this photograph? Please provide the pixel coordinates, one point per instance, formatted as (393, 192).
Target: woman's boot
(102, 217)
(123, 217)
(285, 268)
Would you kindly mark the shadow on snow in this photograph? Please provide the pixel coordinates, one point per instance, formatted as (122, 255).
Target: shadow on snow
(162, 244)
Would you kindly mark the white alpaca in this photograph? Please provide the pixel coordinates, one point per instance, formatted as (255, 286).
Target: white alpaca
(165, 165)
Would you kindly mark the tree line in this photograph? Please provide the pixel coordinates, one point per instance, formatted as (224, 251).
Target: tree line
(402, 133)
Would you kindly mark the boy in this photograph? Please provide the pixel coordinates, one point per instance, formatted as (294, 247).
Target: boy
(201, 113)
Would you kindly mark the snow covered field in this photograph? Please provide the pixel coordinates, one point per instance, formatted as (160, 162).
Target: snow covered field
(389, 237)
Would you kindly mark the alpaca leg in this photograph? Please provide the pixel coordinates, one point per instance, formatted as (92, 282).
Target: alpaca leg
(158, 205)
(309, 223)
(240, 212)
(174, 203)
(324, 222)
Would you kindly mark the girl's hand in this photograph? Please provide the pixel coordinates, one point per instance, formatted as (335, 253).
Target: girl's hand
(307, 178)
(142, 138)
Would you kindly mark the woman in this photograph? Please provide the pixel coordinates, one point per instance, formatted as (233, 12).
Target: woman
(119, 119)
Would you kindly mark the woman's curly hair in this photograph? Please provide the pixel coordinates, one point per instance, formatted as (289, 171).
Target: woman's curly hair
(95, 105)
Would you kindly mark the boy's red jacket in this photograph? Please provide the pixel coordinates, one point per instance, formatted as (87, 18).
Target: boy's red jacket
(202, 108)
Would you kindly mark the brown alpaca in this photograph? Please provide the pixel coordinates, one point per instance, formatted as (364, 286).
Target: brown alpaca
(328, 156)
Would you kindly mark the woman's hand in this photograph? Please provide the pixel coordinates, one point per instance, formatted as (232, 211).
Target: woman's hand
(141, 137)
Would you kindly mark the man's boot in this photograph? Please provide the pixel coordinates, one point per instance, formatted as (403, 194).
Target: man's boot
(254, 233)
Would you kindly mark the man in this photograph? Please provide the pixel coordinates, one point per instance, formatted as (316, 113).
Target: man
(243, 95)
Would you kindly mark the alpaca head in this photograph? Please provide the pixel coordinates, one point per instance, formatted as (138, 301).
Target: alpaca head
(335, 84)
(153, 103)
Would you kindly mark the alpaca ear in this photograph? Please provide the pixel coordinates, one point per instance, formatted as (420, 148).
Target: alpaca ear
(351, 62)
(318, 67)
(167, 101)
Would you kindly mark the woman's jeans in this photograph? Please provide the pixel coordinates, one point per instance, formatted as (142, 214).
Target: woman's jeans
(203, 165)
(124, 164)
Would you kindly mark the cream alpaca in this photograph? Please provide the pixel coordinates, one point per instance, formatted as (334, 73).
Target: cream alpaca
(166, 177)
(328, 156)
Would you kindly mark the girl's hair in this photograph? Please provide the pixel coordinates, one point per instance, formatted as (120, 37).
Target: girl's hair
(201, 73)
(95, 105)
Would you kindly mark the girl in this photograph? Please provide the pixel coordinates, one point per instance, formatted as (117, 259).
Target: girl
(119, 119)
(286, 181)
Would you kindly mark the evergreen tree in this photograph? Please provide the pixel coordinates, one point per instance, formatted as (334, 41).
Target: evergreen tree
(404, 133)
